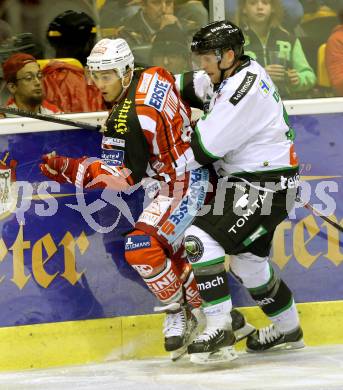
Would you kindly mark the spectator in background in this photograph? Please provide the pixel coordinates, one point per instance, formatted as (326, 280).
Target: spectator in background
(279, 51)
(72, 34)
(24, 82)
(334, 56)
(18, 43)
(312, 6)
(113, 12)
(5, 31)
(192, 15)
(170, 50)
(316, 26)
(293, 12)
(141, 28)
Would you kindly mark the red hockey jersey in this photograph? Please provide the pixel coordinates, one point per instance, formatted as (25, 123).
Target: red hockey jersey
(149, 131)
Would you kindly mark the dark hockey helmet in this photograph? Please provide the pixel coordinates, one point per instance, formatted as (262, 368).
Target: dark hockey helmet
(71, 27)
(218, 36)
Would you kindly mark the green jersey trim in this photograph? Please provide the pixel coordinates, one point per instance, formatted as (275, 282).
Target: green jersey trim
(265, 287)
(220, 300)
(283, 309)
(210, 262)
(182, 85)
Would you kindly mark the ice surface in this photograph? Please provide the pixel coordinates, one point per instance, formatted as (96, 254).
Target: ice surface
(312, 368)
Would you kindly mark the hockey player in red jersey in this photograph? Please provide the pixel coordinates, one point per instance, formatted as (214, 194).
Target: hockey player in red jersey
(147, 136)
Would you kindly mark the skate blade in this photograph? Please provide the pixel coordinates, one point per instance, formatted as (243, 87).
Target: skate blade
(244, 332)
(182, 351)
(178, 354)
(223, 355)
(281, 347)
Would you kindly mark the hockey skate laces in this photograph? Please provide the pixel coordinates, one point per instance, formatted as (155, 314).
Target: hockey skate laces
(174, 324)
(207, 335)
(268, 334)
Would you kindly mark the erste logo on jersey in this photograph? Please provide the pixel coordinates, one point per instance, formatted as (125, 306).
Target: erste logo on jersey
(157, 93)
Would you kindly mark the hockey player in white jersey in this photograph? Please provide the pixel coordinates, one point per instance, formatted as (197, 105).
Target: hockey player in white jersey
(246, 134)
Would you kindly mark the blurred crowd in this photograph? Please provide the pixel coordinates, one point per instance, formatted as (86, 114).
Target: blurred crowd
(44, 45)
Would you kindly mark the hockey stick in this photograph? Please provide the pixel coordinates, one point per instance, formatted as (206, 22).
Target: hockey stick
(49, 118)
(308, 206)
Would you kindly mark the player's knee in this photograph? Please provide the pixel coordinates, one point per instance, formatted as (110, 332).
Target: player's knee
(202, 250)
(144, 253)
(253, 271)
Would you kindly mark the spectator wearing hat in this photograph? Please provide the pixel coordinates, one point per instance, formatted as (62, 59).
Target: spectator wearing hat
(170, 50)
(24, 81)
(72, 34)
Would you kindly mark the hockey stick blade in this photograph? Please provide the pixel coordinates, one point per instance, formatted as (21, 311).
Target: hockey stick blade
(308, 206)
(49, 118)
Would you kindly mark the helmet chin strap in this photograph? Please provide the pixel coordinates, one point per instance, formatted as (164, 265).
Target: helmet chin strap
(125, 87)
(219, 55)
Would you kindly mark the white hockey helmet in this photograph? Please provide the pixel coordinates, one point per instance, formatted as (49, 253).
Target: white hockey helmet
(111, 54)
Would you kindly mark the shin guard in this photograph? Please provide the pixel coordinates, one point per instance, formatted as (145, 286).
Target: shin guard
(166, 285)
(191, 290)
(274, 297)
(162, 276)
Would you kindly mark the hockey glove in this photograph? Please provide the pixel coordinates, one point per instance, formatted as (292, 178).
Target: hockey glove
(83, 172)
(63, 169)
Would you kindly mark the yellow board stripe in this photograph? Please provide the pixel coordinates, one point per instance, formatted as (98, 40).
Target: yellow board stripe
(134, 337)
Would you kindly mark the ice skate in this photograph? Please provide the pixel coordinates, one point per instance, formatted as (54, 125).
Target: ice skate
(270, 339)
(180, 327)
(241, 328)
(213, 346)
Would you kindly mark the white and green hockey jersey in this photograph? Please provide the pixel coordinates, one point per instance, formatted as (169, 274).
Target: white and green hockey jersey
(245, 128)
